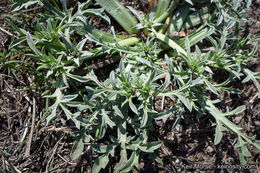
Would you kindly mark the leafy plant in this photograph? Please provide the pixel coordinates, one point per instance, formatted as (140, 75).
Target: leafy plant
(124, 102)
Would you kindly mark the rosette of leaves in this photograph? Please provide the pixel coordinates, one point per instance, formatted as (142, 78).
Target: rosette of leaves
(123, 102)
(126, 97)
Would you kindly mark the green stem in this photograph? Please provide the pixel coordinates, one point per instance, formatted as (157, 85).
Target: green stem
(123, 139)
(126, 42)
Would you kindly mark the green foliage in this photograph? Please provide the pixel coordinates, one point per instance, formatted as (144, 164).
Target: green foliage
(124, 103)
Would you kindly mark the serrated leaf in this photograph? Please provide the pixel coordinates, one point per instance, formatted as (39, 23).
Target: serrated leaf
(77, 149)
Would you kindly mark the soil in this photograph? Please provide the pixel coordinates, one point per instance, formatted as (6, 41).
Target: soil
(191, 142)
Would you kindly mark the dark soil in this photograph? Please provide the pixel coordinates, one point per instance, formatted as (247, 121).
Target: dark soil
(48, 149)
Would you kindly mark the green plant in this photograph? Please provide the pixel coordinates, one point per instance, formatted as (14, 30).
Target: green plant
(124, 102)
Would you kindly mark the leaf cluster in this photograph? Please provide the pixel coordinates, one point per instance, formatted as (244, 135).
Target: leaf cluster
(124, 102)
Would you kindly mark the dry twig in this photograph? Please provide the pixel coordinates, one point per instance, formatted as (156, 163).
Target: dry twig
(27, 152)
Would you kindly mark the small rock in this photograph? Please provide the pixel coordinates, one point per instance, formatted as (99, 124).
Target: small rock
(209, 149)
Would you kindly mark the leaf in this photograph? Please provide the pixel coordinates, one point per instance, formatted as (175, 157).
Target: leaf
(211, 87)
(100, 163)
(68, 98)
(78, 78)
(24, 4)
(16, 42)
(99, 13)
(252, 76)
(153, 156)
(171, 43)
(178, 19)
(77, 149)
(103, 148)
(118, 111)
(132, 106)
(120, 14)
(2, 171)
(145, 117)
(144, 61)
(185, 101)
(136, 13)
(130, 163)
(187, 46)
(32, 44)
(107, 120)
(161, 7)
(236, 111)
(218, 133)
(53, 112)
(189, 1)
(150, 147)
(197, 17)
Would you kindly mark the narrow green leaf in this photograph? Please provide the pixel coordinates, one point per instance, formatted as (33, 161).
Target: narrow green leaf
(171, 43)
(136, 13)
(32, 44)
(123, 158)
(132, 106)
(185, 101)
(197, 36)
(130, 163)
(100, 163)
(178, 19)
(77, 149)
(120, 14)
(106, 118)
(189, 1)
(211, 87)
(187, 46)
(196, 18)
(103, 148)
(252, 76)
(162, 6)
(167, 13)
(150, 146)
(2, 171)
(218, 133)
(236, 111)
(153, 156)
